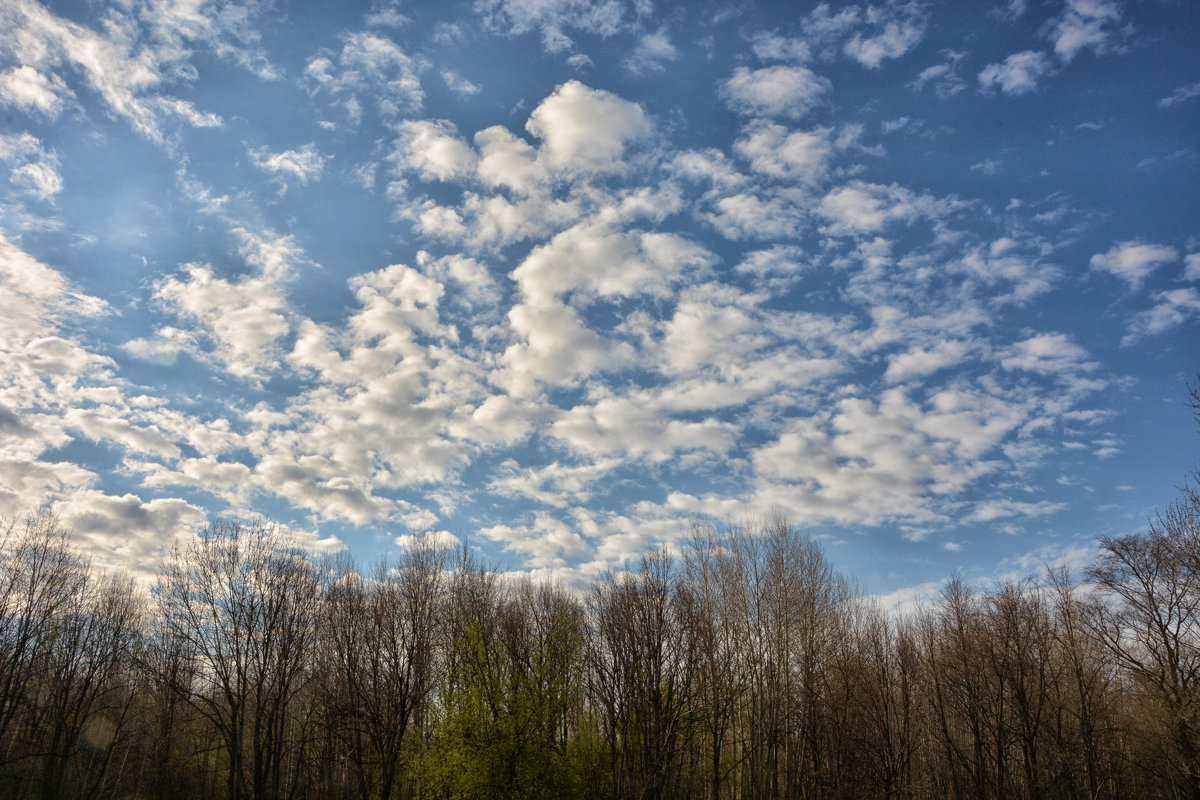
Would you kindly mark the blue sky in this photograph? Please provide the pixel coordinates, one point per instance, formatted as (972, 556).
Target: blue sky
(557, 278)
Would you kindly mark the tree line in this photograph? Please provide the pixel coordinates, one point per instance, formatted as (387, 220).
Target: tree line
(742, 666)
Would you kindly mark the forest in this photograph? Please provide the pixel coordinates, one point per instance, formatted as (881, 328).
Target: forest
(742, 666)
(738, 664)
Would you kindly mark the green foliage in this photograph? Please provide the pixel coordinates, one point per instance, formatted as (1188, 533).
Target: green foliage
(507, 705)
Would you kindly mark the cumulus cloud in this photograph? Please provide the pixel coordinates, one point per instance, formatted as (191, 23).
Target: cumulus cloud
(778, 266)
(554, 19)
(1018, 74)
(369, 68)
(1133, 261)
(32, 167)
(1191, 270)
(126, 531)
(918, 362)
(776, 91)
(1180, 95)
(942, 77)
(751, 215)
(599, 262)
(458, 84)
(546, 543)
(860, 207)
(143, 47)
(243, 318)
(27, 89)
(772, 47)
(37, 297)
(236, 323)
(303, 164)
(1085, 24)
(433, 150)
(651, 51)
(893, 458)
(1046, 354)
(508, 161)
(896, 29)
(773, 150)
(623, 425)
(1173, 307)
(585, 129)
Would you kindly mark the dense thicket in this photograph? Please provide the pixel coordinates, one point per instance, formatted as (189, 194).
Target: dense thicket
(743, 666)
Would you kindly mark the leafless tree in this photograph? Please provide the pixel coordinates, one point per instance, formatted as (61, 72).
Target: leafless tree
(381, 635)
(243, 604)
(1152, 627)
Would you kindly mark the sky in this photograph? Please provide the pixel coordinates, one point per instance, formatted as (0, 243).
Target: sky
(555, 280)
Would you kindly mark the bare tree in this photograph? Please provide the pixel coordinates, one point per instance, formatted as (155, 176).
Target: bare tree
(640, 678)
(244, 605)
(39, 576)
(887, 697)
(381, 637)
(1152, 627)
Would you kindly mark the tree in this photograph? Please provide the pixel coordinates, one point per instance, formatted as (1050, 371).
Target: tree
(381, 639)
(640, 677)
(243, 603)
(1152, 627)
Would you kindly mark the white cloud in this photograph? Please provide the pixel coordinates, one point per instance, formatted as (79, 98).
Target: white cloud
(748, 215)
(778, 267)
(990, 510)
(458, 84)
(127, 531)
(30, 90)
(1173, 308)
(772, 47)
(1191, 270)
(505, 160)
(36, 298)
(860, 207)
(472, 276)
(988, 166)
(439, 540)
(106, 425)
(33, 167)
(372, 68)
(1181, 95)
(1046, 354)
(554, 347)
(651, 51)
(942, 77)
(243, 318)
(433, 150)
(918, 362)
(1134, 260)
(777, 91)
(897, 29)
(546, 543)
(1019, 74)
(597, 261)
(891, 459)
(822, 27)
(304, 164)
(553, 18)
(238, 323)
(557, 485)
(1002, 262)
(773, 150)
(584, 129)
(143, 47)
(1085, 24)
(623, 425)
